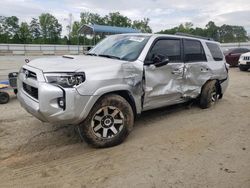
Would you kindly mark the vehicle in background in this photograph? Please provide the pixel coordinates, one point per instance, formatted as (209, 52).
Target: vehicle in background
(6, 86)
(4, 96)
(232, 55)
(244, 61)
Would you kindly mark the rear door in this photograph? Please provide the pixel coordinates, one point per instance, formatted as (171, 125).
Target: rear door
(200, 66)
(164, 84)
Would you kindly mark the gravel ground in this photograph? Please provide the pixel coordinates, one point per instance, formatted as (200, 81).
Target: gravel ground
(178, 146)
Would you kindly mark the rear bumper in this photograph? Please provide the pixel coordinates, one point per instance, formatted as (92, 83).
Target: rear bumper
(224, 85)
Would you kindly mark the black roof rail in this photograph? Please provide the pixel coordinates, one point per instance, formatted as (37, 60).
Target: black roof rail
(194, 36)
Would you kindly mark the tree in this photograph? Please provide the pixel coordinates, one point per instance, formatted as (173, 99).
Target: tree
(24, 33)
(116, 19)
(2, 18)
(240, 34)
(91, 18)
(212, 30)
(74, 32)
(142, 25)
(35, 29)
(50, 28)
(229, 33)
(188, 25)
(9, 28)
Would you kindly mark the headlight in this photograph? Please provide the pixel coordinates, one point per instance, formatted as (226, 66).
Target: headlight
(65, 79)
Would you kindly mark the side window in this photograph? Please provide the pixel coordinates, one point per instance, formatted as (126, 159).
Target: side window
(215, 51)
(170, 48)
(193, 51)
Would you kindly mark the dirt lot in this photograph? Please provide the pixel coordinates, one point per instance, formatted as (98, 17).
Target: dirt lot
(170, 147)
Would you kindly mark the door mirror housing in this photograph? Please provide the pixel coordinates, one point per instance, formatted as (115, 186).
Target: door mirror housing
(157, 60)
(160, 60)
(163, 62)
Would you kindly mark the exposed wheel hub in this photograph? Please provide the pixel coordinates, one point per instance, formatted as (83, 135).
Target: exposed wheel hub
(107, 121)
(214, 95)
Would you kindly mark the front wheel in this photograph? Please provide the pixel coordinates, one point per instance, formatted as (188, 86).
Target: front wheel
(109, 122)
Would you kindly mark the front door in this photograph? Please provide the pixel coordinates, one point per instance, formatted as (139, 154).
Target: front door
(163, 84)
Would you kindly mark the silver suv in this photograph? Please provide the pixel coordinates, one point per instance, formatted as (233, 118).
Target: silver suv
(122, 76)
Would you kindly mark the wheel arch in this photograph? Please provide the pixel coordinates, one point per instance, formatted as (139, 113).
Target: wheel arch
(126, 95)
(217, 84)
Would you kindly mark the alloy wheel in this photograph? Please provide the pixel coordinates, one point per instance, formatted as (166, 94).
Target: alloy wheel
(107, 122)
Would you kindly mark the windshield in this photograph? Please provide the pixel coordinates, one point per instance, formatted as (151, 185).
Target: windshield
(124, 47)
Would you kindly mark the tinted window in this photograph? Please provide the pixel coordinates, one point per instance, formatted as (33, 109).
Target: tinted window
(170, 48)
(193, 51)
(215, 51)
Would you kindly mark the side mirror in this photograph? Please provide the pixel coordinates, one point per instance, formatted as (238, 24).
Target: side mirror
(162, 63)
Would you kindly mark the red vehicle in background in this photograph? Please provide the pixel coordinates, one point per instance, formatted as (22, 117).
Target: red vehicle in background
(232, 55)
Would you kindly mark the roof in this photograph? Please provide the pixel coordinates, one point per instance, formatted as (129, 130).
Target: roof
(95, 28)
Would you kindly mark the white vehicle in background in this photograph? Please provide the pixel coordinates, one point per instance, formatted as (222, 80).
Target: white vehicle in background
(244, 61)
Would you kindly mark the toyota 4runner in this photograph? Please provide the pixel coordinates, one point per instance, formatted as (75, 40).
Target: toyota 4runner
(122, 76)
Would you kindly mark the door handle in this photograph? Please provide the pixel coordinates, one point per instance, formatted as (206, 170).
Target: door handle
(177, 71)
(204, 69)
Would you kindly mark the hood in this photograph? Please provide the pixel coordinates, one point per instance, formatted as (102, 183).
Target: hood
(246, 54)
(74, 63)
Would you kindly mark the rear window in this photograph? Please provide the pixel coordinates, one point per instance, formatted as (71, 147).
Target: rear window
(193, 51)
(215, 51)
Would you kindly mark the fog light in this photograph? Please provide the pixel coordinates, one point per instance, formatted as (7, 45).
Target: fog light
(61, 102)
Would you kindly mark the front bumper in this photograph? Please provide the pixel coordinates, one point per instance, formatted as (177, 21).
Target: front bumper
(244, 64)
(45, 106)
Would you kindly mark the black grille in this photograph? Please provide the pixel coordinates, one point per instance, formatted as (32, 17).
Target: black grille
(246, 58)
(32, 91)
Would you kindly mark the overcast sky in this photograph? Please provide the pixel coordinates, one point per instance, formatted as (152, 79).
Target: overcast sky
(162, 13)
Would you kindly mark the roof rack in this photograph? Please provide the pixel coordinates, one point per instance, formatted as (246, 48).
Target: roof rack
(194, 36)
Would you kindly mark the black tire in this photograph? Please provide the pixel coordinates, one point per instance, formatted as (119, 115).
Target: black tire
(4, 97)
(209, 94)
(92, 129)
(243, 68)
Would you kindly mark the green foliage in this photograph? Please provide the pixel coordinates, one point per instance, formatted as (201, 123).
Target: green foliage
(91, 18)
(35, 30)
(47, 30)
(224, 34)
(142, 25)
(116, 19)
(50, 28)
(24, 33)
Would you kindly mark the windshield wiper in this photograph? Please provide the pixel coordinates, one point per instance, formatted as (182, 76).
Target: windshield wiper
(92, 54)
(109, 56)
